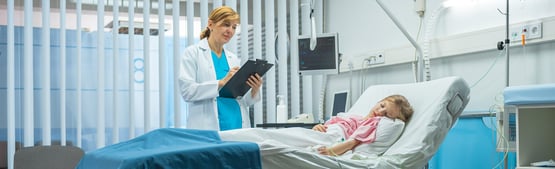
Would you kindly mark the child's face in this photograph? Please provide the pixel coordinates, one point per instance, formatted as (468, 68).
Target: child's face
(385, 108)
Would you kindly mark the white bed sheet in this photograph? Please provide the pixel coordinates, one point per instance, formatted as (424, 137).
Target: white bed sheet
(437, 105)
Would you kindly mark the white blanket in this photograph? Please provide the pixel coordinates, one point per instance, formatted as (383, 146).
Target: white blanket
(295, 139)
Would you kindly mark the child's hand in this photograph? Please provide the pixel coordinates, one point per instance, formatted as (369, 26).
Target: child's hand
(320, 128)
(326, 151)
(323, 150)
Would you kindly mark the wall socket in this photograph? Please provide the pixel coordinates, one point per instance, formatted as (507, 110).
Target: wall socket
(376, 58)
(363, 61)
(530, 30)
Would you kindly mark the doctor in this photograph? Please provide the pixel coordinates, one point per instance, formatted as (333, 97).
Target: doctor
(205, 68)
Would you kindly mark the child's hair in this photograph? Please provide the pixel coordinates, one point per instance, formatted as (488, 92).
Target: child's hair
(403, 104)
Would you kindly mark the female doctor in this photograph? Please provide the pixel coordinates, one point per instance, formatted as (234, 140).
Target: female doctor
(205, 68)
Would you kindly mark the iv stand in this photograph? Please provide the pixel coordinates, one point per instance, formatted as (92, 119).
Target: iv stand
(505, 46)
(507, 42)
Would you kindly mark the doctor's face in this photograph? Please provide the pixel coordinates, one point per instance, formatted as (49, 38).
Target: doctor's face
(223, 31)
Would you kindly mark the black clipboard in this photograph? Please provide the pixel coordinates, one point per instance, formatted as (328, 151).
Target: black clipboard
(237, 85)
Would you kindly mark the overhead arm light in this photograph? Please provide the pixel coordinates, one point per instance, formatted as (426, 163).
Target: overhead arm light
(313, 41)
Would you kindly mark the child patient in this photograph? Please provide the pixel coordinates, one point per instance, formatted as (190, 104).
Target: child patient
(381, 127)
(365, 136)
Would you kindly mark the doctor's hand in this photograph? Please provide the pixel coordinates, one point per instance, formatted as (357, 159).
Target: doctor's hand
(230, 74)
(255, 81)
(320, 128)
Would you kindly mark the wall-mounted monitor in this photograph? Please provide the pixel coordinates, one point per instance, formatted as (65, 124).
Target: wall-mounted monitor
(324, 59)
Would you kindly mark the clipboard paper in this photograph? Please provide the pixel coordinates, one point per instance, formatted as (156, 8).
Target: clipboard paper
(237, 86)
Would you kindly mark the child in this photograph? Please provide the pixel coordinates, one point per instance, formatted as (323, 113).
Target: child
(358, 130)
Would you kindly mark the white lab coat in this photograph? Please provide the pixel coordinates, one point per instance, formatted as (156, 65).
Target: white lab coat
(199, 87)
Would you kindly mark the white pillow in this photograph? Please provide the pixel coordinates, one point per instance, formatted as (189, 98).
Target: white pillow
(388, 131)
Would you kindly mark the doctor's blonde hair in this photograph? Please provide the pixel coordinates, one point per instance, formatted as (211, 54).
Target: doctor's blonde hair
(222, 13)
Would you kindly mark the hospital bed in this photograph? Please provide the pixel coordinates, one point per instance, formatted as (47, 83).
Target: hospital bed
(437, 104)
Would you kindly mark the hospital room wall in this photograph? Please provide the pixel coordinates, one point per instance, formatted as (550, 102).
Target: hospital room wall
(373, 31)
(472, 140)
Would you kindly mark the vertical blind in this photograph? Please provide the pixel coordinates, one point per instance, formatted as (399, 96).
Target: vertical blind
(10, 85)
(89, 87)
(63, 135)
(115, 40)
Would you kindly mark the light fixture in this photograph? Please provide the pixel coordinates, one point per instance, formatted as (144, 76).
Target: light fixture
(313, 41)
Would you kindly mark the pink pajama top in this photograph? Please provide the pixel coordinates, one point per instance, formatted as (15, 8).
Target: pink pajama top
(354, 127)
(377, 134)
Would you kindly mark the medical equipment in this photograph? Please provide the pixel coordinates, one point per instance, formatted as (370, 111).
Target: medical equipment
(340, 102)
(533, 107)
(313, 41)
(437, 104)
(324, 59)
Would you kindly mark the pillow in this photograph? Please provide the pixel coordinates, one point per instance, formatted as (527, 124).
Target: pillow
(387, 132)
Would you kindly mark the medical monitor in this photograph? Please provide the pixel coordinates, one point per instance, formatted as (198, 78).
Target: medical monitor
(324, 59)
(340, 102)
(506, 129)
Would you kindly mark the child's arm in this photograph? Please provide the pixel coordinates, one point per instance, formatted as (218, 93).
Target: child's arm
(340, 148)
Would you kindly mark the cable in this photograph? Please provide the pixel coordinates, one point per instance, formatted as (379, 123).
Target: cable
(489, 69)
(502, 137)
(365, 66)
(415, 51)
(506, 153)
(351, 80)
(501, 132)
(524, 51)
(322, 98)
(429, 33)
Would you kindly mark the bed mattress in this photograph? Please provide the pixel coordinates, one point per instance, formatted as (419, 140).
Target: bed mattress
(530, 94)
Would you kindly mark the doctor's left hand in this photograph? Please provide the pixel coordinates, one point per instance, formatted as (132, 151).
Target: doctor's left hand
(255, 81)
(228, 76)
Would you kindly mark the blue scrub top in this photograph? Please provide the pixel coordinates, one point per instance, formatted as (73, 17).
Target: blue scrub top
(229, 112)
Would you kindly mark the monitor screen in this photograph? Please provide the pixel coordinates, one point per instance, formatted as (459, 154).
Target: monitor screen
(506, 125)
(324, 59)
(340, 102)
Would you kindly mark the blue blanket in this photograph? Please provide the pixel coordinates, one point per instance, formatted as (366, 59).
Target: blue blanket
(175, 148)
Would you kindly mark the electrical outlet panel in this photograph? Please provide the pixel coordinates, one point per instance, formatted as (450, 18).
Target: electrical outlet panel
(363, 61)
(377, 58)
(529, 30)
